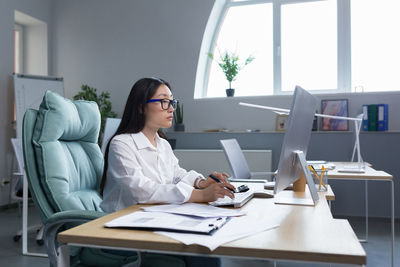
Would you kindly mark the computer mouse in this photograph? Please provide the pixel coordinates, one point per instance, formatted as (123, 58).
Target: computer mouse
(242, 188)
(264, 194)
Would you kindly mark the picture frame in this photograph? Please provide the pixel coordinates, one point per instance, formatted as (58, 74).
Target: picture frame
(281, 122)
(335, 107)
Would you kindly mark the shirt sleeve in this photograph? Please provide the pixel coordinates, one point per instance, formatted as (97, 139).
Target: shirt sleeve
(125, 169)
(182, 175)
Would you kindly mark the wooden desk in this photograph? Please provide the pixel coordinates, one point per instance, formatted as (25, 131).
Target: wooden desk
(307, 234)
(370, 175)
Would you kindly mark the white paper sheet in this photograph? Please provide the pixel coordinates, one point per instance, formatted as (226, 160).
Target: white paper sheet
(194, 209)
(236, 228)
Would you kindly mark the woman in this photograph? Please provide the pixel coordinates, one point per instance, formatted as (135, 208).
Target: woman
(140, 167)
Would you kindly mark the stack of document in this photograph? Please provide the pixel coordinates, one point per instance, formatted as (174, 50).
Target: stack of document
(192, 223)
(169, 222)
(193, 209)
(190, 217)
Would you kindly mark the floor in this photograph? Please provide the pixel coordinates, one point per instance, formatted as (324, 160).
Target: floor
(378, 248)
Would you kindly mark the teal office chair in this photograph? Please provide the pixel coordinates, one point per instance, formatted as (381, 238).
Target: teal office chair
(64, 166)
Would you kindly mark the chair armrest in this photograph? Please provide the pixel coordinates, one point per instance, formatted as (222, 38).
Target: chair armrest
(59, 219)
(74, 216)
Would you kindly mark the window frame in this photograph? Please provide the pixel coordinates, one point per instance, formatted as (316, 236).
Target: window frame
(216, 20)
(20, 46)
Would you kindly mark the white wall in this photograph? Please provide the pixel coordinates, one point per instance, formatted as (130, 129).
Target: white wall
(111, 44)
(40, 9)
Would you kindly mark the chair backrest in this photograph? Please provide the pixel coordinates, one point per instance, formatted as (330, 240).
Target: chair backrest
(109, 130)
(64, 163)
(236, 159)
(19, 154)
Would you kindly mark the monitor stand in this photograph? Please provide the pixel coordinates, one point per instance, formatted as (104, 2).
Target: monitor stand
(299, 195)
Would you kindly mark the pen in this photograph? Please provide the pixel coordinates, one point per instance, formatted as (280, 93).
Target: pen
(322, 174)
(212, 176)
(313, 170)
(316, 176)
(219, 223)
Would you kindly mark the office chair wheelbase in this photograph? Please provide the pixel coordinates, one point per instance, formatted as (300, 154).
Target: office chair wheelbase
(38, 229)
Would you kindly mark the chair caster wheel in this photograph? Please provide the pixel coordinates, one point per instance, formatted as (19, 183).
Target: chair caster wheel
(16, 238)
(40, 242)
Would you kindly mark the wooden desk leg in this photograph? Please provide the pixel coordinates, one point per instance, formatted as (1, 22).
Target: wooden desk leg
(300, 184)
(392, 185)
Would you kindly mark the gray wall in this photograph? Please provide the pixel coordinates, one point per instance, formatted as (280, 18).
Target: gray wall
(111, 44)
(40, 9)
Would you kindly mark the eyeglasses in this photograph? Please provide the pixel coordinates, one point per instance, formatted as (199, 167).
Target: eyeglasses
(165, 103)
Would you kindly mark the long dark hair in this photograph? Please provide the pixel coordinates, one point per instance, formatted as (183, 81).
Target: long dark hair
(133, 119)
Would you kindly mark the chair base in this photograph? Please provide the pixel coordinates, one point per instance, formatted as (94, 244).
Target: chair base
(38, 228)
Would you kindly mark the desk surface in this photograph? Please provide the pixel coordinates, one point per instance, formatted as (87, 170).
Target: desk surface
(370, 173)
(306, 234)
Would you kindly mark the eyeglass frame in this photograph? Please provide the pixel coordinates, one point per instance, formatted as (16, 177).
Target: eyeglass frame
(172, 102)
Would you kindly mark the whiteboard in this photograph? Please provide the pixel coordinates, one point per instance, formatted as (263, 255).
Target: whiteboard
(29, 91)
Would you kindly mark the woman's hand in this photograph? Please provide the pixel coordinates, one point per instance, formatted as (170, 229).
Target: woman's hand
(217, 190)
(212, 192)
(221, 176)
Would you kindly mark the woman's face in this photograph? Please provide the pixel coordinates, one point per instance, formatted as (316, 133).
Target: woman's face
(156, 116)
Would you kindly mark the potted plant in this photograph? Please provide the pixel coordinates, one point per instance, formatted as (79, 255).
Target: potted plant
(178, 118)
(229, 63)
(90, 94)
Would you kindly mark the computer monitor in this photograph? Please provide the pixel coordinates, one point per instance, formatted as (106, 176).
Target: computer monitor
(292, 162)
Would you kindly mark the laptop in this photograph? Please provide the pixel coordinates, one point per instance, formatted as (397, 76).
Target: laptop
(243, 197)
(238, 164)
(239, 200)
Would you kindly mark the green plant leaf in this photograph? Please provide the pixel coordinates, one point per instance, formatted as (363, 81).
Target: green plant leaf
(105, 106)
(229, 64)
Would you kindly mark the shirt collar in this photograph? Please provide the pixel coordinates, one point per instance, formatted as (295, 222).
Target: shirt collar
(142, 142)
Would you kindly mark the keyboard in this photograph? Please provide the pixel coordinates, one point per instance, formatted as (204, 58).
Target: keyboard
(352, 167)
(327, 166)
(239, 200)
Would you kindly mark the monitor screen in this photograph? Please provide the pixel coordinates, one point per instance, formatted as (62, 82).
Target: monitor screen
(297, 137)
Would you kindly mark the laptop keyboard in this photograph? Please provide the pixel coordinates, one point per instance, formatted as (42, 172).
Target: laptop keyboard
(239, 200)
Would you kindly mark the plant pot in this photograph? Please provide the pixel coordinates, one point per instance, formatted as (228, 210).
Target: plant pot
(230, 92)
(179, 127)
(172, 142)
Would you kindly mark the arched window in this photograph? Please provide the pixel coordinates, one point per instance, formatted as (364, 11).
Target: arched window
(324, 46)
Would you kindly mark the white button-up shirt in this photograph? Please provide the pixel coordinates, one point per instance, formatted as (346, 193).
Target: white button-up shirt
(138, 172)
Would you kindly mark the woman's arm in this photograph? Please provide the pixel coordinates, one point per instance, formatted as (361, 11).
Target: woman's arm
(124, 169)
(223, 177)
